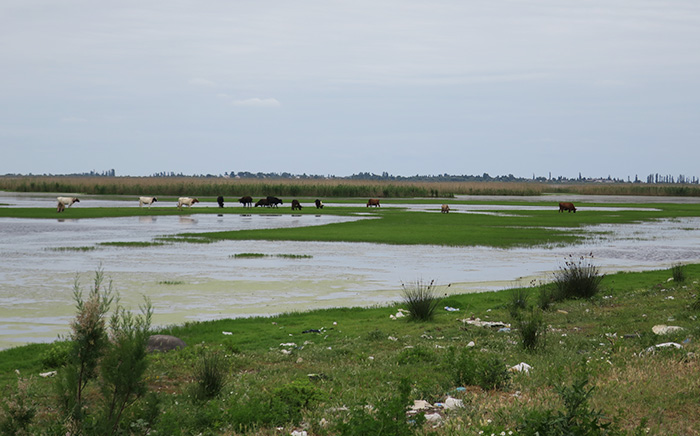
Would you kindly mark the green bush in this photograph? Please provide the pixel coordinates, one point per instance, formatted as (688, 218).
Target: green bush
(415, 355)
(532, 329)
(288, 401)
(678, 272)
(577, 418)
(577, 279)
(210, 376)
(472, 368)
(57, 355)
(387, 419)
(421, 300)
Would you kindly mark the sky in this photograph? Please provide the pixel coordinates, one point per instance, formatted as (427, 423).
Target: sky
(334, 87)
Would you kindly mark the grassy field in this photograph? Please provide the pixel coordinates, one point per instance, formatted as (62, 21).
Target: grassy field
(356, 371)
(321, 368)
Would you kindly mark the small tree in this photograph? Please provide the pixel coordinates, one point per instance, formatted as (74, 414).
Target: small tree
(118, 352)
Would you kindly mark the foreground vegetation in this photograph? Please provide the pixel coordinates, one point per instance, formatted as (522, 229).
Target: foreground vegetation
(595, 368)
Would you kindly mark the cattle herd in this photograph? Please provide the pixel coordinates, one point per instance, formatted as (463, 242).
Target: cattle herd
(269, 201)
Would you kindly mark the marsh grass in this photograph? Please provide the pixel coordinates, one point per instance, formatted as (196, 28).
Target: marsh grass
(137, 244)
(577, 278)
(421, 300)
(171, 282)
(261, 255)
(678, 273)
(79, 249)
(210, 375)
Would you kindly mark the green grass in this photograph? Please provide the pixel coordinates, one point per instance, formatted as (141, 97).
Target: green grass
(359, 356)
(89, 248)
(132, 244)
(260, 255)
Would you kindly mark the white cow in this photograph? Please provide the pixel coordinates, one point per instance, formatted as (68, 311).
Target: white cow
(65, 201)
(187, 201)
(147, 200)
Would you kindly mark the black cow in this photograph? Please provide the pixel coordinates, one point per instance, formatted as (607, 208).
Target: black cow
(296, 205)
(319, 204)
(220, 200)
(262, 202)
(273, 201)
(246, 201)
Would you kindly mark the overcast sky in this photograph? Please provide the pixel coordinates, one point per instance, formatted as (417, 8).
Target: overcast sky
(523, 87)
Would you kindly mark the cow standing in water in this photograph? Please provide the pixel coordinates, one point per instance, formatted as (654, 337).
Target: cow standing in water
(445, 209)
(569, 207)
(319, 204)
(296, 205)
(246, 201)
(373, 202)
(220, 200)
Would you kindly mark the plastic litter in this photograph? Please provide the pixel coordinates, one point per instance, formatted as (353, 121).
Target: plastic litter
(453, 403)
(451, 309)
(521, 367)
(227, 333)
(664, 345)
(663, 329)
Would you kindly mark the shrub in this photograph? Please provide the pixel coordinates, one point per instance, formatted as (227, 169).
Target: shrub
(678, 273)
(577, 418)
(210, 376)
(18, 412)
(388, 418)
(421, 300)
(531, 329)
(119, 352)
(473, 369)
(545, 297)
(289, 400)
(577, 279)
(57, 355)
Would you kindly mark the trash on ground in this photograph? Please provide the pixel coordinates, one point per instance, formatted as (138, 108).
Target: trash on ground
(521, 367)
(663, 329)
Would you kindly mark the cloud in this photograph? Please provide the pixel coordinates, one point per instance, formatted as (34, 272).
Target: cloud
(198, 81)
(73, 120)
(257, 102)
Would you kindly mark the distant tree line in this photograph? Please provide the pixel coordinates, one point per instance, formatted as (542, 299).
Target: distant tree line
(385, 176)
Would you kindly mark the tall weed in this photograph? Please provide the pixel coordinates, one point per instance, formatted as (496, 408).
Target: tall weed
(577, 279)
(421, 300)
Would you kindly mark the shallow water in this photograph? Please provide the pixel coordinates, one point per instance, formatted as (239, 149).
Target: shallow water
(202, 281)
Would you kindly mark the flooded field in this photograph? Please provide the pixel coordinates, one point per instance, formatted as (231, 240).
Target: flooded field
(204, 281)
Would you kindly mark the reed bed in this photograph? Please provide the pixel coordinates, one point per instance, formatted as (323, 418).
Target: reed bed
(322, 188)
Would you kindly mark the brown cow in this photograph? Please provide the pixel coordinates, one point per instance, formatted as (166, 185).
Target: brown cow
(296, 205)
(373, 202)
(567, 207)
(445, 209)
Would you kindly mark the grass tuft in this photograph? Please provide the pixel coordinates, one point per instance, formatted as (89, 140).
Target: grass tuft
(421, 300)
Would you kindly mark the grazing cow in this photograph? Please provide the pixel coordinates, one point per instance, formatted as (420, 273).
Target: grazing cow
(373, 202)
(319, 204)
(445, 209)
(147, 200)
(273, 201)
(262, 202)
(186, 201)
(65, 201)
(296, 205)
(220, 200)
(567, 206)
(246, 201)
